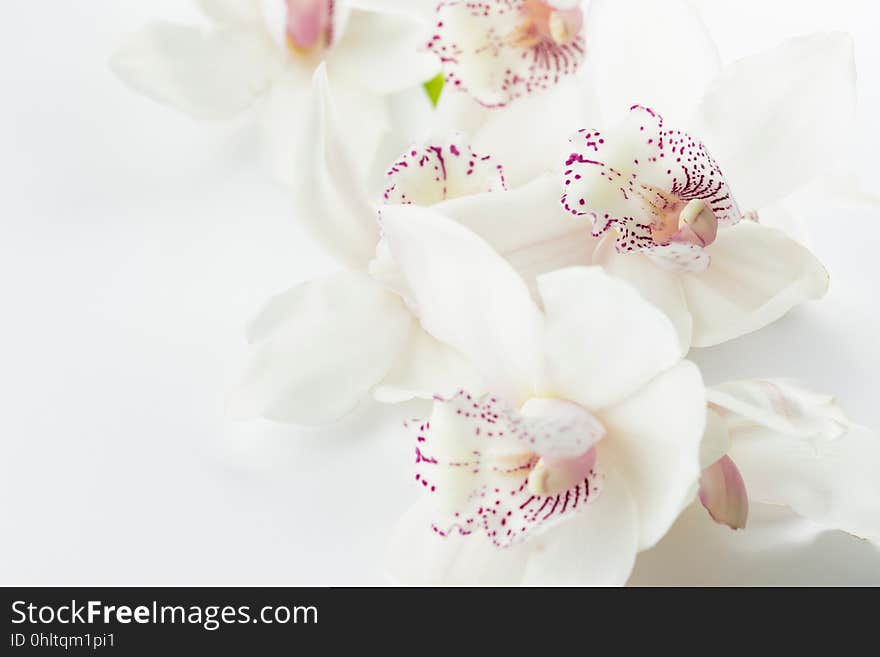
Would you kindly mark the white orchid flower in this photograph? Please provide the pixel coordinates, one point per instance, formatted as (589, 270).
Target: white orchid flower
(580, 446)
(270, 49)
(776, 442)
(319, 349)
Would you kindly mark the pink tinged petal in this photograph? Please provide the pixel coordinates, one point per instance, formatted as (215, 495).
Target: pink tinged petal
(658, 188)
(503, 473)
(309, 23)
(426, 175)
(723, 493)
(796, 448)
(500, 50)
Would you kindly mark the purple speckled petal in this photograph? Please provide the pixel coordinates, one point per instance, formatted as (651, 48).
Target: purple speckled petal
(658, 187)
(476, 455)
(500, 50)
(432, 173)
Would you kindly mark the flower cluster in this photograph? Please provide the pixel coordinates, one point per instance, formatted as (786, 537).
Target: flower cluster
(534, 253)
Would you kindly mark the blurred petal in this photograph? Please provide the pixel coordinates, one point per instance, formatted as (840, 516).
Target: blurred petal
(795, 448)
(329, 188)
(381, 51)
(659, 286)
(655, 438)
(603, 341)
(209, 75)
(540, 124)
(776, 119)
(232, 11)
(468, 297)
(723, 493)
(650, 53)
(319, 348)
(757, 275)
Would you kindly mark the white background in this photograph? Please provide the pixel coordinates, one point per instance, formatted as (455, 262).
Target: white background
(135, 243)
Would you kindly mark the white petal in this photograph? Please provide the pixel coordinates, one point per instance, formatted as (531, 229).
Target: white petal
(757, 275)
(469, 297)
(538, 125)
(777, 119)
(777, 549)
(604, 341)
(782, 405)
(381, 52)
(716, 439)
(319, 348)
(650, 53)
(527, 226)
(329, 183)
(796, 448)
(661, 287)
(833, 483)
(427, 367)
(655, 438)
(209, 75)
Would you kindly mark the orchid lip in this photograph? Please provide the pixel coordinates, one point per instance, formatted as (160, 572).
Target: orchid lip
(503, 472)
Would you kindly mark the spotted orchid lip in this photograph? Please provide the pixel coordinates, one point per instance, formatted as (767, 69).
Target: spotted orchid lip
(503, 472)
(430, 173)
(659, 188)
(500, 50)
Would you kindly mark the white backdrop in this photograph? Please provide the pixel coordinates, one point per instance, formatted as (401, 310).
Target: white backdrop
(135, 244)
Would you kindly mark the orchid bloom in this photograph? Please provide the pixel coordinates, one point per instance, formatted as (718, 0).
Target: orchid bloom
(775, 442)
(669, 222)
(320, 348)
(580, 444)
(500, 50)
(270, 48)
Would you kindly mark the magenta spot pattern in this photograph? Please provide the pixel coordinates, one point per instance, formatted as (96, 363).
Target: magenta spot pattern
(516, 69)
(499, 448)
(428, 174)
(669, 168)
